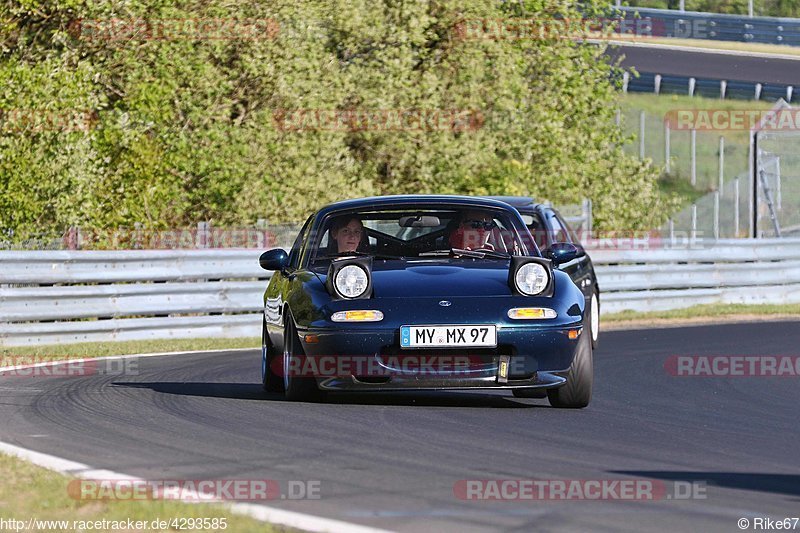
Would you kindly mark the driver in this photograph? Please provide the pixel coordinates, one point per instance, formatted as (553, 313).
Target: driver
(348, 235)
(473, 231)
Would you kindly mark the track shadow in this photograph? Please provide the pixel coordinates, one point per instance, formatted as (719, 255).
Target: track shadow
(431, 399)
(787, 484)
(253, 391)
(237, 391)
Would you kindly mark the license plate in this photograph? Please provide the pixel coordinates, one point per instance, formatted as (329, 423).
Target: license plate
(448, 336)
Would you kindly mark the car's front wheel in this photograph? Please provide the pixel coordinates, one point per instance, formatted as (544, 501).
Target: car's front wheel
(296, 388)
(577, 391)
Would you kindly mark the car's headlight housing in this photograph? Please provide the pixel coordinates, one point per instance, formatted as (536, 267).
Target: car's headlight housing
(351, 281)
(531, 279)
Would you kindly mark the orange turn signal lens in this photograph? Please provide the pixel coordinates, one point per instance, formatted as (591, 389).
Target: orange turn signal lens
(357, 316)
(531, 313)
(573, 334)
(311, 338)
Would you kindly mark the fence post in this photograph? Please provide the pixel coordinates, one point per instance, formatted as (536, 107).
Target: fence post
(716, 215)
(261, 226)
(671, 225)
(137, 235)
(589, 215)
(584, 215)
(202, 234)
(666, 146)
(692, 84)
(694, 223)
(721, 163)
(694, 156)
(736, 207)
(73, 238)
(641, 134)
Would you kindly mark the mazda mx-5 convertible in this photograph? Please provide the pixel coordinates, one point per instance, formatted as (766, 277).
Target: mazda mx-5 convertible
(424, 293)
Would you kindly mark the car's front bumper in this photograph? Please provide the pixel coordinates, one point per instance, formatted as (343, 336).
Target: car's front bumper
(536, 356)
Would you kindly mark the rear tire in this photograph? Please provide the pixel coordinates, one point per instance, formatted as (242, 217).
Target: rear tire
(270, 381)
(576, 393)
(296, 389)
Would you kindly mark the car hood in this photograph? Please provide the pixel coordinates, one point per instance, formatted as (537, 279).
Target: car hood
(440, 279)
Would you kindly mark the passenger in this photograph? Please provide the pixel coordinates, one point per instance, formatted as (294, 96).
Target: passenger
(347, 234)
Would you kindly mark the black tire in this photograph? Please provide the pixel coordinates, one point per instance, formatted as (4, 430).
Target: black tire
(576, 393)
(296, 389)
(530, 393)
(270, 381)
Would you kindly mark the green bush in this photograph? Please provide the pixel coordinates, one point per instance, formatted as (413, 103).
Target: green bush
(187, 129)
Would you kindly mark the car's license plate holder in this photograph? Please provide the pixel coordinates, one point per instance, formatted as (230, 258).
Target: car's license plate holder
(449, 336)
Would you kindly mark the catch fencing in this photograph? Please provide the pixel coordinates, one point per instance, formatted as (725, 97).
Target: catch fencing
(59, 297)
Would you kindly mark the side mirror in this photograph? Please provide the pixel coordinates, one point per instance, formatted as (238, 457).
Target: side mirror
(562, 252)
(275, 259)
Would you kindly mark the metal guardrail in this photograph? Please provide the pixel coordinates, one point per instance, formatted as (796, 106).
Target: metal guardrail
(716, 26)
(83, 296)
(53, 297)
(719, 272)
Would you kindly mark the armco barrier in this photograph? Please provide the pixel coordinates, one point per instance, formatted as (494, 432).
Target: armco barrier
(81, 296)
(726, 271)
(54, 297)
(717, 27)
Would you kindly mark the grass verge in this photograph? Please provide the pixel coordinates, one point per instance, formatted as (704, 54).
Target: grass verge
(101, 349)
(31, 492)
(707, 311)
(656, 107)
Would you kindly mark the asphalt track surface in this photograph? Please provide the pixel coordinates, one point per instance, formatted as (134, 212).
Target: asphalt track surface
(391, 460)
(709, 65)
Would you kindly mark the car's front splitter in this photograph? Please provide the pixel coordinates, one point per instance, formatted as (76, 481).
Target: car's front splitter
(406, 381)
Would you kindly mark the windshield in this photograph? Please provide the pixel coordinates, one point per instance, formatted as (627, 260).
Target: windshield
(419, 233)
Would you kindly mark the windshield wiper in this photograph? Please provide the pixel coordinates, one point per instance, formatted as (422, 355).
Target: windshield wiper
(476, 254)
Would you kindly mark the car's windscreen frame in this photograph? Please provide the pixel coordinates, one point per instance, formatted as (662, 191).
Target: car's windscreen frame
(313, 251)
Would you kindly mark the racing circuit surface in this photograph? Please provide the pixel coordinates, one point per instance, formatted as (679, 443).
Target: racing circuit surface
(670, 61)
(392, 460)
